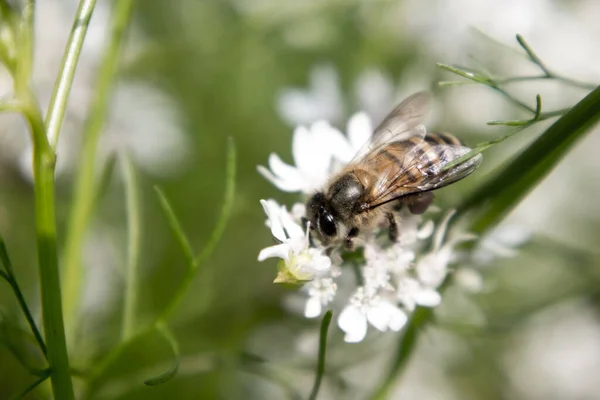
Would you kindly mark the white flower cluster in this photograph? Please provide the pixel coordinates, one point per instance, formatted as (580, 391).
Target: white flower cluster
(391, 279)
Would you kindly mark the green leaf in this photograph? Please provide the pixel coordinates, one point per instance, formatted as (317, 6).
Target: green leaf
(32, 386)
(176, 226)
(502, 193)
(467, 73)
(227, 205)
(322, 350)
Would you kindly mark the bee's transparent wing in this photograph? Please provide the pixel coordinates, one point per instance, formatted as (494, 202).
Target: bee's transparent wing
(403, 122)
(419, 174)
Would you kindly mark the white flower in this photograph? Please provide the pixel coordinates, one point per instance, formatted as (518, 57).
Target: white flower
(411, 292)
(321, 292)
(433, 267)
(321, 101)
(363, 308)
(318, 152)
(312, 152)
(359, 130)
(300, 263)
(469, 279)
(502, 241)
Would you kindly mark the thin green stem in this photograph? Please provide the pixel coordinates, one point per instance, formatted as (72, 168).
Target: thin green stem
(133, 247)
(26, 312)
(532, 56)
(166, 376)
(33, 385)
(214, 239)
(513, 182)
(85, 187)
(510, 97)
(62, 87)
(162, 319)
(177, 229)
(322, 351)
(25, 46)
(548, 74)
(11, 279)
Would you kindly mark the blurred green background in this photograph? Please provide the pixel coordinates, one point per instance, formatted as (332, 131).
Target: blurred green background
(533, 332)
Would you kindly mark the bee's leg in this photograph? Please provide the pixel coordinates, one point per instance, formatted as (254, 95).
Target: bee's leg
(349, 241)
(419, 203)
(393, 232)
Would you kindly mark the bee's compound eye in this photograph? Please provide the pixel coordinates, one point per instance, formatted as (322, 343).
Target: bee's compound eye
(327, 224)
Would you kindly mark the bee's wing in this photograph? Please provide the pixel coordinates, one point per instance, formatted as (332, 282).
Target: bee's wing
(403, 122)
(421, 172)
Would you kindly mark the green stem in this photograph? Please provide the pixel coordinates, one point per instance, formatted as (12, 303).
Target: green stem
(322, 351)
(62, 87)
(43, 167)
(133, 247)
(85, 190)
(45, 219)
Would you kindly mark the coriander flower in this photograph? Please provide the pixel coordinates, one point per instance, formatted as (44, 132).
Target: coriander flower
(318, 152)
(320, 293)
(363, 308)
(299, 262)
(384, 283)
(322, 100)
(311, 149)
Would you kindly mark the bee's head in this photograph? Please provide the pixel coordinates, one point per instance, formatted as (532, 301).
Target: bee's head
(322, 221)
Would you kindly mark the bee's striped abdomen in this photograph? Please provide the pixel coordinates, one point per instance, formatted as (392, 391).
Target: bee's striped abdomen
(442, 138)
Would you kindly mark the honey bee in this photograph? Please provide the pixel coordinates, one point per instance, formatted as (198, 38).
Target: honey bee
(398, 167)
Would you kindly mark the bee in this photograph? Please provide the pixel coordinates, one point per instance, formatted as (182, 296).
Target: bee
(399, 167)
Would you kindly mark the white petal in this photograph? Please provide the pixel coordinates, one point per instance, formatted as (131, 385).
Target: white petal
(319, 262)
(398, 318)
(426, 230)
(354, 323)
(428, 298)
(272, 210)
(280, 250)
(338, 145)
(432, 268)
(298, 211)
(293, 229)
(302, 148)
(313, 307)
(379, 316)
(320, 152)
(469, 279)
(286, 186)
(282, 170)
(360, 130)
